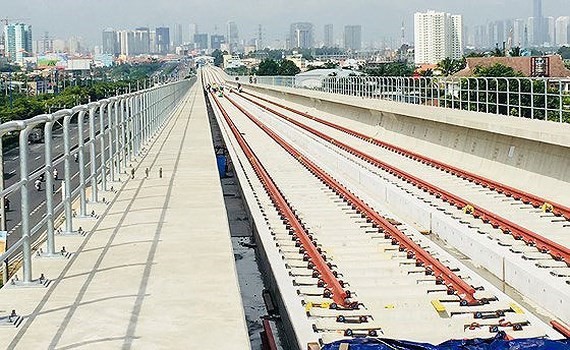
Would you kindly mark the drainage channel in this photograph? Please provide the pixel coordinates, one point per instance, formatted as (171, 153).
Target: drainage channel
(258, 304)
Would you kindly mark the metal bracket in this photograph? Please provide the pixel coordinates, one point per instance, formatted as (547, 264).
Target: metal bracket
(12, 320)
(41, 282)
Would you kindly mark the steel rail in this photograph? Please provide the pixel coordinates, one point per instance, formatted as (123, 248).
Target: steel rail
(556, 250)
(443, 274)
(339, 295)
(525, 197)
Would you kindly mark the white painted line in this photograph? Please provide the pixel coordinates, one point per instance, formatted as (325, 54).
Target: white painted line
(38, 157)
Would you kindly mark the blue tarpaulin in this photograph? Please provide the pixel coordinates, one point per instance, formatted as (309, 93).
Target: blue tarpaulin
(221, 160)
(497, 343)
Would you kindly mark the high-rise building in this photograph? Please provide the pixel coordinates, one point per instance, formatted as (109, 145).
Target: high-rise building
(329, 36)
(177, 39)
(539, 25)
(18, 41)
(162, 40)
(519, 33)
(438, 35)
(530, 30)
(110, 44)
(550, 28)
(201, 41)
(216, 41)
(152, 41)
(232, 36)
(301, 35)
(141, 41)
(126, 42)
(352, 37)
(480, 37)
(74, 45)
(499, 32)
(562, 29)
(259, 42)
(192, 30)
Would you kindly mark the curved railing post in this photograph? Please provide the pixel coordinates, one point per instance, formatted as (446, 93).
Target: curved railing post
(124, 105)
(93, 150)
(111, 159)
(102, 105)
(50, 229)
(25, 204)
(67, 171)
(81, 162)
(117, 154)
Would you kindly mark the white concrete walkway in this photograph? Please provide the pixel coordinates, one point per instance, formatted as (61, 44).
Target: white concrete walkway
(157, 270)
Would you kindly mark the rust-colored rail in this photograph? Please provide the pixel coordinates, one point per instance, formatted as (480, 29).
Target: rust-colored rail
(525, 197)
(443, 274)
(338, 294)
(557, 251)
(562, 329)
(268, 338)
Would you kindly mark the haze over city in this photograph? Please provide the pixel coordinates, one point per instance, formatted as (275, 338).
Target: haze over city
(379, 19)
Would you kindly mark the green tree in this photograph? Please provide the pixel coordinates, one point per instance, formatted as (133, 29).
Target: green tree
(496, 70)
(390, 69)
(515, 51)
(450, 66)
(475, 54)
(287, 67)
(268, 67)
(218, 57)
(564, 51)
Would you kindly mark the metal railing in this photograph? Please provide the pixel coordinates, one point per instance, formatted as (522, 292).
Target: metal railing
(125, 124)
(534, 98)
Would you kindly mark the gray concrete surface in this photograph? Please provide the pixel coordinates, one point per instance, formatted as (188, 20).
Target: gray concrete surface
(155, 272)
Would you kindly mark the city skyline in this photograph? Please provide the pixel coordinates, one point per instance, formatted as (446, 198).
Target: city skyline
(380, 20)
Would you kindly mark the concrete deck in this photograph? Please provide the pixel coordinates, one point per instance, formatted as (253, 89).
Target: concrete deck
(155, 272)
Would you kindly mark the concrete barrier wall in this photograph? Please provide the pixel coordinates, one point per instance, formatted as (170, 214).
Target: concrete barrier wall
(528, 154)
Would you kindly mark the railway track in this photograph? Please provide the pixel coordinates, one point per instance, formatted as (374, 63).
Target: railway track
(461, 192)
(535, 265)
(358, 270)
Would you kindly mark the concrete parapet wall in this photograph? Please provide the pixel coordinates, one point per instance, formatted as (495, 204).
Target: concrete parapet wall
(528, 154)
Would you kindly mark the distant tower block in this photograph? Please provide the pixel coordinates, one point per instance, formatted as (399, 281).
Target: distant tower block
(259, 37)
(403, 39)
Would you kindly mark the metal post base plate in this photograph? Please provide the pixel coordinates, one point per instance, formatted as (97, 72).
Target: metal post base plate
(11, 321)
(71, 233)
(54, 256)
(37, 283)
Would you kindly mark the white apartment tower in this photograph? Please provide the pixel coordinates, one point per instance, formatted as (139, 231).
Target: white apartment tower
(437, 35)
(562, 30)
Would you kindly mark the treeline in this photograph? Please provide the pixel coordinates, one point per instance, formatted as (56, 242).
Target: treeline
(109, 82)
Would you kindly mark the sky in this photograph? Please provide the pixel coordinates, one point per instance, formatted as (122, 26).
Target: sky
(379, 18)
